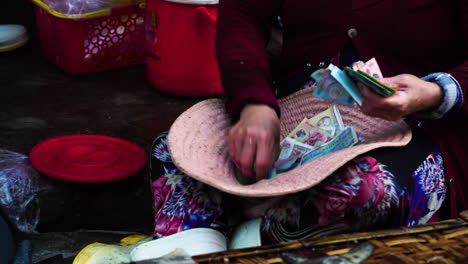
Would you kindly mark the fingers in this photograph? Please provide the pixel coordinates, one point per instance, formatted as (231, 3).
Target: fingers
(368, 94)
(232, 144)
(247, 154)
(253, 153)
(397, 81)
(265, 156)
(252, 140)
(257, 156)
(238, 148)
(242, 149)
(388, 108)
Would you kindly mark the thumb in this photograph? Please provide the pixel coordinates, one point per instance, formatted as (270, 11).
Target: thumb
(391, 81)
(398, 81)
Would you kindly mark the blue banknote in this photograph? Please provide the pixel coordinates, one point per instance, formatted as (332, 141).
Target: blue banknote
(330, 89)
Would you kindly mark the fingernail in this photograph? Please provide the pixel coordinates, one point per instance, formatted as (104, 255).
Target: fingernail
(236, 163)
(245, 172)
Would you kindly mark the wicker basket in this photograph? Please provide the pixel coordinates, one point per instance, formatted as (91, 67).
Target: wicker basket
(441, 242)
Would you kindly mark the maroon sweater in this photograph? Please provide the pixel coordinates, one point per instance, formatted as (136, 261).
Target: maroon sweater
(405, 36)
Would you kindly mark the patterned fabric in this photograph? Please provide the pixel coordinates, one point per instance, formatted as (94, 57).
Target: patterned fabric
(362, 195)
(179, 202)
(430, 190)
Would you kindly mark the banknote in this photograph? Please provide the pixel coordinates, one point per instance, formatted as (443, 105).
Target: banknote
(329, 121)
(313, 137)
(309, 134)
(346, 138)
(372, 68)
(374, 84)
(272, 173)
(328, 88)
(318, 74)
(358, 65)
(291, 147)
(369, 73)
(346, 82)
(291, 151)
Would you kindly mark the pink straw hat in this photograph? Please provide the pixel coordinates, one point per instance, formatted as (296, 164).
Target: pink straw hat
(198, 144)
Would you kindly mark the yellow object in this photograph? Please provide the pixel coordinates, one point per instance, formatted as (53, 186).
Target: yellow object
(99, 253)
(130, 240)
(19, 45)
(99, 13)
(12, 37)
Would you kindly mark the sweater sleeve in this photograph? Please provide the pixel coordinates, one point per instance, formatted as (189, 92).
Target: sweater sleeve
(460, 73)
(452, 96)
(243, 31)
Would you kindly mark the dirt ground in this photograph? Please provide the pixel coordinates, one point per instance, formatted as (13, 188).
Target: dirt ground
(39, 101)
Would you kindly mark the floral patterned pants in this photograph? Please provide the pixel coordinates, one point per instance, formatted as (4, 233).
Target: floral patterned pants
(361, 196)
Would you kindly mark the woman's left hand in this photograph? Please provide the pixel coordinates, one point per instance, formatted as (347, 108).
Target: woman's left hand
(412, 95)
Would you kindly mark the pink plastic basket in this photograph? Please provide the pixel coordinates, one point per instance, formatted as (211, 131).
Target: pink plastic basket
(94, 41)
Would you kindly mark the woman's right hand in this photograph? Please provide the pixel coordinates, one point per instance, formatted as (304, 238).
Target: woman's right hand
(254, 140)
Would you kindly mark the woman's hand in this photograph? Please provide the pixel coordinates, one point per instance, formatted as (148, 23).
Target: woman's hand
(413, 95)
(254, 140)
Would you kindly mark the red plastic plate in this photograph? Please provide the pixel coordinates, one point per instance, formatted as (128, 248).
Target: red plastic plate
(87, 158)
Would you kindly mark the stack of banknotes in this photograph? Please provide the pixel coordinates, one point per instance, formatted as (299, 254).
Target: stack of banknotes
(339, 86)
(319, 135)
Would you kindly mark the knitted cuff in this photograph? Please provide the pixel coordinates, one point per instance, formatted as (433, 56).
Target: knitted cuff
(453, 96)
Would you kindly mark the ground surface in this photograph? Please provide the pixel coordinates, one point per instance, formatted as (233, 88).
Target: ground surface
(38, 101)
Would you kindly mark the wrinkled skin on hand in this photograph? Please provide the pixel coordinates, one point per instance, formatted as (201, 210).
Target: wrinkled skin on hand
(413, 95)
(254, 140)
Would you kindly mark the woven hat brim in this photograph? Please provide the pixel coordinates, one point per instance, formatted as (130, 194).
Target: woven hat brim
(198, 145)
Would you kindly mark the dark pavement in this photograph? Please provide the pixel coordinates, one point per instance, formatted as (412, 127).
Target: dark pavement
(38, 101)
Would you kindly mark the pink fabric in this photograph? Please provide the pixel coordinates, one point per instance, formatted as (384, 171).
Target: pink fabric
(166, 224)
(354, 187)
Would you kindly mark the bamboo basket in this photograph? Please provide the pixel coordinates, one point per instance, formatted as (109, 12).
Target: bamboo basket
(440, 242)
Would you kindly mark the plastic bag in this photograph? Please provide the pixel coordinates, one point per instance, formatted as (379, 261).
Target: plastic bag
(77, 7)
(20, 186)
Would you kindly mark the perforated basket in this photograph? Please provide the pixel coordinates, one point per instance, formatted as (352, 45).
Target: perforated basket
(92, 41)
